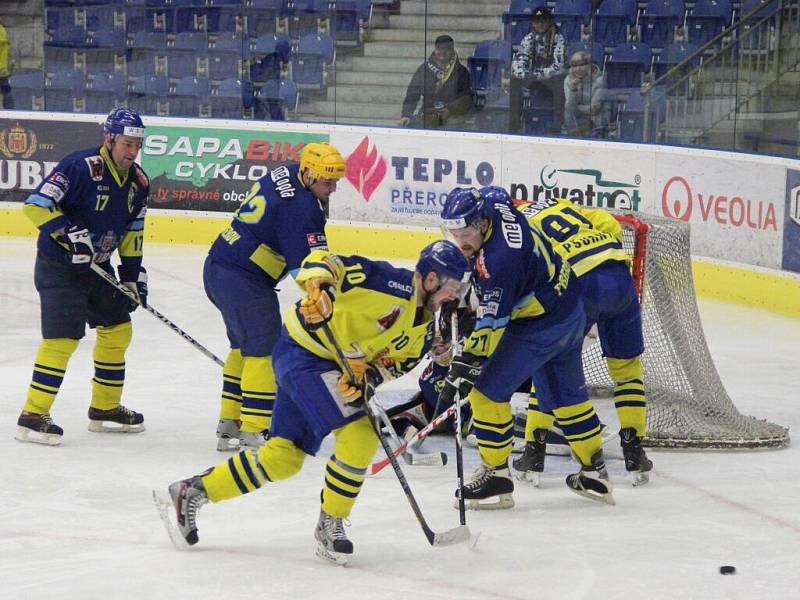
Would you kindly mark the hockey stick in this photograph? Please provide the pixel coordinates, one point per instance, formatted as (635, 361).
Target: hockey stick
(379, 465)
(444, 538)
(132, 296)
(430, 459)
(462, 511)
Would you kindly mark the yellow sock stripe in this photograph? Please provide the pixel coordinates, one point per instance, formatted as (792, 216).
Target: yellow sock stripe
(583, 436)
(45, 389)
(498, 428)
(229, 396)
(259, 395)
(48, 370)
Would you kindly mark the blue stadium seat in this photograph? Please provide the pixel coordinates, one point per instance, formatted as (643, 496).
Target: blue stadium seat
(626, 65)
(613, 21)
(659, 20)
(224, 19)
(263, 16)
(149, 53)
(707, 20)
(630, 122)
(230, 97)
(571, 16)
(106, 50)
(593, 49)
(147, 95)
(517, 19)
(486, 67)
(754, 38)
(348, 19)
(538, 112)
(190, 97)
(303, 17)
(279, 99)
(225, 56)
(188, 55)
(64, 91)
(27, 90)
(270, 55)
(308, 63)
(673, 55)
(105, 90)
(101, 17)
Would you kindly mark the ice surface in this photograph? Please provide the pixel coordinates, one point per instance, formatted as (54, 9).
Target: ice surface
(77, 521)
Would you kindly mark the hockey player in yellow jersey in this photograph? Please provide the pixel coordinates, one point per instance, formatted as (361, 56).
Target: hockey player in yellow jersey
(591, 240)
(382, 317)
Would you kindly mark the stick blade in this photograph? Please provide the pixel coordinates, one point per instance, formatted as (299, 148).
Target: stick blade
(451, 536)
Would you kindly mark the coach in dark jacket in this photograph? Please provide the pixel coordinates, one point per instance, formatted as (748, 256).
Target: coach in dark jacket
(444, 85)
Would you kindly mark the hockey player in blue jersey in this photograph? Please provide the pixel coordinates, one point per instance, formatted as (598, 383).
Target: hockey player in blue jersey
(382, 318)
(281, 220)
(92, 204)
(530, 322)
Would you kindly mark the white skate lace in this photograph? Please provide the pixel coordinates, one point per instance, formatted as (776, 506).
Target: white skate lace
(193, 505)
(334, 528)
(480, 475)
(48, 420)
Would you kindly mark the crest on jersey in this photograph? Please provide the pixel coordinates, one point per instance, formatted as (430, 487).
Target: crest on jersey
(131, 197)
(96, 167)
(390, 318)
(480, 267)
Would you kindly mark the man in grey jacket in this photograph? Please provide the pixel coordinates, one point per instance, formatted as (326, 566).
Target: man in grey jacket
(539, 62)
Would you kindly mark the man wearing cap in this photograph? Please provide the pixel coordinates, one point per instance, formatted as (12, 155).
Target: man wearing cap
(280, 221)
(539, 62)
(444, 85)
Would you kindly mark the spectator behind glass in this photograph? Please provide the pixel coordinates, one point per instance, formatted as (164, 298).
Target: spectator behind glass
(5, 90)
(585, 111)
(444, 85)
(539, 62)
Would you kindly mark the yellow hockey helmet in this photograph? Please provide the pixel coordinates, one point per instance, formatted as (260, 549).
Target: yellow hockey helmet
(323, 161)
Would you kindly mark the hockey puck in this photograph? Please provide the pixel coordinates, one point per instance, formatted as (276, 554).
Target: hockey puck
(444, 458)
(727, 570)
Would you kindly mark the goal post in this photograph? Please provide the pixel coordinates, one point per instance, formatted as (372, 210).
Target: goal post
(688, 406)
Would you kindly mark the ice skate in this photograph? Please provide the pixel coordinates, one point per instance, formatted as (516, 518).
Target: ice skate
(332, 542)
(39, 429)
(636, 461)
(252, 439)
(530, 465)
(228, 435)
(490, 484)
(117, 420)
(178, 508)
(592, 481)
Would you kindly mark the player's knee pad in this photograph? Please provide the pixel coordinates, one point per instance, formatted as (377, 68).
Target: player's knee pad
(485, 409)
(231, 398)
(258, 388)
(56, 351)
(280, 458)
(625, 369)
(356, 443)
(113, 341)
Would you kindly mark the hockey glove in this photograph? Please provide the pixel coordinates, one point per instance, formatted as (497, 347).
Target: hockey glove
(78, 242)
(317, 306)
(463, 372)
(368, 380)
(136, 281)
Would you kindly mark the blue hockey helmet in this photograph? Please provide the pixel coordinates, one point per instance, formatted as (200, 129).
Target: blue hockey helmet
(124, 121)
(496, 193)
(446, 260)
(462, 208)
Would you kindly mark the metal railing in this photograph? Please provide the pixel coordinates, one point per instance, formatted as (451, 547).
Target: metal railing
(725, 77)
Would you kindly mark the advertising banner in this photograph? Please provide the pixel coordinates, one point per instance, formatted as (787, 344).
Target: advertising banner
(585, 174)
(29, 149)
(734, 214)
(403, 177)
(791, 227)
(212, 169)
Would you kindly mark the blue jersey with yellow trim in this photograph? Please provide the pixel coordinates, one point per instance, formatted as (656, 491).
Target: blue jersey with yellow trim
(375, 314)
(277, 225)
(586, 237)
(518, 276)
(87, 190)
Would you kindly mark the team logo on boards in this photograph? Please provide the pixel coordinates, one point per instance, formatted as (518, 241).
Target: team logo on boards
(17, 142)
(679, 201)
(366, 168)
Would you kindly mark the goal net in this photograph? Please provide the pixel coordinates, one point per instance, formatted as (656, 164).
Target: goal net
(688, 406)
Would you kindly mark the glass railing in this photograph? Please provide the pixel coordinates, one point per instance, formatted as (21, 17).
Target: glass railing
(702, 72)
